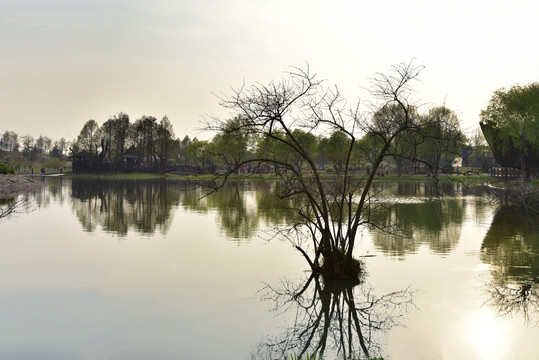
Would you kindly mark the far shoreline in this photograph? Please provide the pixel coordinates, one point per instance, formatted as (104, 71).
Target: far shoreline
(473, 179)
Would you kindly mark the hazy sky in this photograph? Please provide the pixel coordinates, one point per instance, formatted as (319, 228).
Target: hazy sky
(64, 62)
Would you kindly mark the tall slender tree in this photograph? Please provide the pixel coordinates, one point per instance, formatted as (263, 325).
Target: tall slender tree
(89, 137)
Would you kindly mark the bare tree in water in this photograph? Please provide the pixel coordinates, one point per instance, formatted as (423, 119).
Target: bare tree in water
(331, 208)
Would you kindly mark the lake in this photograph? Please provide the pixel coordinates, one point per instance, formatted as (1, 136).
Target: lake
(149, 270)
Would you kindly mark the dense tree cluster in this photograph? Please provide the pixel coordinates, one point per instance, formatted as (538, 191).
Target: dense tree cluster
(152, 142)
(157, 147)
(510, 124)
(155, 142)
(329, 150)
(32, 147)
(106, 145)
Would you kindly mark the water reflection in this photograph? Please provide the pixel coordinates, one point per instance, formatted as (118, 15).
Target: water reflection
(514, 299)
(342, 318)
(148, 206)
(241, 208)
(430, 189)
(413, 212)
(511, 246)
(116, 206)
(409, 221)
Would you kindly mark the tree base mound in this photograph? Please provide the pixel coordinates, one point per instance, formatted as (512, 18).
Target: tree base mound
(339, 266)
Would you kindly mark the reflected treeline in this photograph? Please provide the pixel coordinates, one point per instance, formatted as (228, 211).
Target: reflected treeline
(118, 205)
(430, 189)
(44, 196)
(41, 197)
(416, 214)
(53, 191)
(241, 207)
(344, 319)
(511, 245)
(147, 206)
(232, 204)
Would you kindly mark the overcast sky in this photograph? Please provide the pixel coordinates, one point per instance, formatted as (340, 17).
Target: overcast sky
(64, 62)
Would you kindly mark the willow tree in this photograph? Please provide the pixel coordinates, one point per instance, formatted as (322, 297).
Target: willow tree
(510, 124)
(332, 208)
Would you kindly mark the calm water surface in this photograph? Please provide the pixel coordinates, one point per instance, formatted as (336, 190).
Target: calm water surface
(147, 270)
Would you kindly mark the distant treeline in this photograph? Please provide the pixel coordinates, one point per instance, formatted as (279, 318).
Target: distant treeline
(149, 144)
(153, 142)
(236, 143)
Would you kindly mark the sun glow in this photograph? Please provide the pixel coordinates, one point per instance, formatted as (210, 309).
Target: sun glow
(485, 334)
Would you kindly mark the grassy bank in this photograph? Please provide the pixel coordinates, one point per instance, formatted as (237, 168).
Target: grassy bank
(476, 179)
(233, 177)
(115, 176)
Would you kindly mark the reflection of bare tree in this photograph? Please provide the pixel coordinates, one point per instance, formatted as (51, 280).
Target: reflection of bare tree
(37, 198)
(512, 299)
(13, 205)
(332, 316)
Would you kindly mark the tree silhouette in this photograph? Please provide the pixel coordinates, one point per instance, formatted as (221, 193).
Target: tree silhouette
(333, 209)
(340, 316)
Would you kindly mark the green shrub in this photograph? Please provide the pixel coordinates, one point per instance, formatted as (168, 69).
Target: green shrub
(5, 170)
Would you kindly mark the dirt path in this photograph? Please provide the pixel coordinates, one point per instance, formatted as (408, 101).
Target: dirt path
(12, 185)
